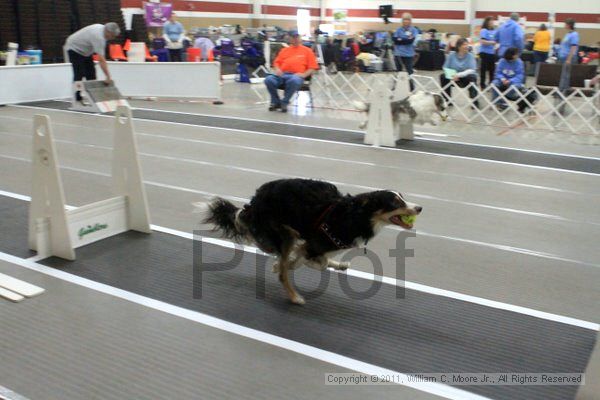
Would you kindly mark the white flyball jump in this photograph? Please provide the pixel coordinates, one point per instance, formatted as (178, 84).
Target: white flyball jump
(56, 231)
(99, 97)
(381, 130)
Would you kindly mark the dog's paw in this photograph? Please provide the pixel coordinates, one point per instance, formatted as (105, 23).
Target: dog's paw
(343, 266)
(297, 299)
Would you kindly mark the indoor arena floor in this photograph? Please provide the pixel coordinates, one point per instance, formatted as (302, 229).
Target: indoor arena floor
(505, 251)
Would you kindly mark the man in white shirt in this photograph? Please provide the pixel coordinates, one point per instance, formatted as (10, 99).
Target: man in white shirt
(82, 45)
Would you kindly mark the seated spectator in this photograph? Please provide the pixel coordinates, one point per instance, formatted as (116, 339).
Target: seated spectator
(556, 47)
(331, 55)
(292, 66)
(205, 45)
(462, 65)
(510, 80)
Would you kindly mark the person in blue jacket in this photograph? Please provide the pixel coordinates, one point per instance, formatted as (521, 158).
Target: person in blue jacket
(510, 34)
(487, 50)
(404, 44)
(510, 80)
(567, 54)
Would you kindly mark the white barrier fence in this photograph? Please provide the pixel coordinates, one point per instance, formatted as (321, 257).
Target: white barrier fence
(576, 113)
(189, 80)
(25, 83)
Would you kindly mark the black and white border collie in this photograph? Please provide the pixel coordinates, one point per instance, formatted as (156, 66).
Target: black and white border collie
(302, 221)
(421, 107)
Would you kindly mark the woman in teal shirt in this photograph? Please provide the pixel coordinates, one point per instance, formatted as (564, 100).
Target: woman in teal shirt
(487, 51)
(463, 66)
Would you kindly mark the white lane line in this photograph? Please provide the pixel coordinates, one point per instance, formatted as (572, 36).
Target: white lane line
(7, 394)
(409, 285)
(471, 159)
(317, 157)
(495, 246)
(445, 391)
(548, 153)
(361, 132)
(388, 280)
(349, 185)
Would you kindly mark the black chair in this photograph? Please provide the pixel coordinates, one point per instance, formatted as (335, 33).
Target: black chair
(304, 88)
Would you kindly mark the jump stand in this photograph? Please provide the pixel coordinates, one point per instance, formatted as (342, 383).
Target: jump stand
(380, 127)
(401, 92)
(56, 231)
(99, 97)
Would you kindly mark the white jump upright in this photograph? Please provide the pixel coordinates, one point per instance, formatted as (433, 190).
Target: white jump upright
(380, 127)
(401, 92)
(56, 231)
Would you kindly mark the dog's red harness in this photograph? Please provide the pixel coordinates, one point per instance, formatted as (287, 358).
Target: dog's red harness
(322, 226)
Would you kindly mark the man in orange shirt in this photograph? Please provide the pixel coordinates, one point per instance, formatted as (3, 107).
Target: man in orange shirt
(292, 66)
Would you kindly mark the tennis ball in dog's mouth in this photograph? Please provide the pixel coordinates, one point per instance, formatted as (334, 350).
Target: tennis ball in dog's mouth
(409, 219)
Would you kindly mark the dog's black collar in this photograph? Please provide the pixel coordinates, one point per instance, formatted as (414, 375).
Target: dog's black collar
(322, 226)
(338, 242)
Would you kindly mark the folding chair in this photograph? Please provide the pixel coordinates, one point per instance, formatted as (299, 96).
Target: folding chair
(115, 53)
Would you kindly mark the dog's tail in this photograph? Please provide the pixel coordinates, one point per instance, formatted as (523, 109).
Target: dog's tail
(360, 105)
(225, 217)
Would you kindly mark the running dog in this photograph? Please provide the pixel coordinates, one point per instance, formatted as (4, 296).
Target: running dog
(421, 107)
(303, 221)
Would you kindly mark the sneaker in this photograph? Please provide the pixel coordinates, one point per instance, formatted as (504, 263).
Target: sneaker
(274, 107)
(501, 106)
(283, 108)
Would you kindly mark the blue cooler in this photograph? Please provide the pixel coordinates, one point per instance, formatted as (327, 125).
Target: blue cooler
(35, 56)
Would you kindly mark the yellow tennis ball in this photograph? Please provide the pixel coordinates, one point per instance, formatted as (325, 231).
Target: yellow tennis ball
(409, 219)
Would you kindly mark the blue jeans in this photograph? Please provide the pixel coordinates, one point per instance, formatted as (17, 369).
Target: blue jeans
(512, 93)
(291, 83)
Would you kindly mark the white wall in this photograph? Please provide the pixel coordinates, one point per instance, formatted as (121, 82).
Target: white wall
(297, 3)
(398, 4)
(575, 6)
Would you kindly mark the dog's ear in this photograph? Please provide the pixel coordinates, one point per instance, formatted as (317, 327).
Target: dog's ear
(439, 101)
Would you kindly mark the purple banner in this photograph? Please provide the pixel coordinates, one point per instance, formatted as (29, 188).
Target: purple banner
(157, 13)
